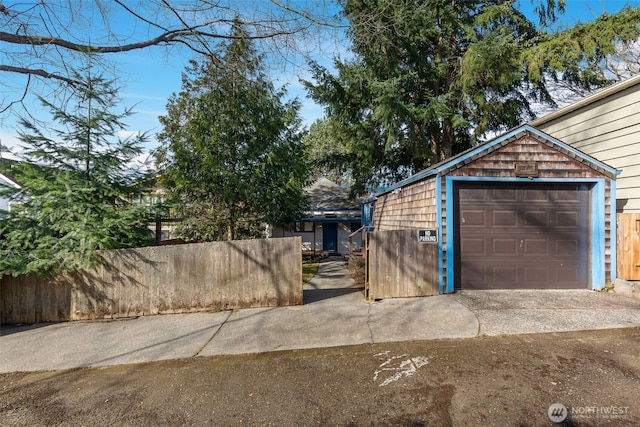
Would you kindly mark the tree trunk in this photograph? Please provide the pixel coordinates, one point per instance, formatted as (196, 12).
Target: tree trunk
(231, 232)
(446, 144)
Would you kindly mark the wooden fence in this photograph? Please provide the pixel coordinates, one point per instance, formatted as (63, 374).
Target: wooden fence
(628, 252)
(400, 266)
(167, 279)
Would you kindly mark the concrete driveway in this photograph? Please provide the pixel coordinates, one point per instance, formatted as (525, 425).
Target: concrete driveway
(335, 314)
(539, 311)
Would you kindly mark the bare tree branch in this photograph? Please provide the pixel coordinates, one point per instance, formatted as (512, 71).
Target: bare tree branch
(24, 95)
(47, 40)
(38, 72)
(306, 16)
(167, 37)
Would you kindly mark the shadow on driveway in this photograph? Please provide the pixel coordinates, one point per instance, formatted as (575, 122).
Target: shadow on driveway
(331, 281)
(316, 295)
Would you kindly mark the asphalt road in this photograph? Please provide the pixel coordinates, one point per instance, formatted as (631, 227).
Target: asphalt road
(508, 380)
(472, 358)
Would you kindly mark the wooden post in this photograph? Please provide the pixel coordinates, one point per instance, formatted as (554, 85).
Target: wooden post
(158, 230)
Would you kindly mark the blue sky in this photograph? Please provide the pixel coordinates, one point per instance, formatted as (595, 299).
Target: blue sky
(151, 75)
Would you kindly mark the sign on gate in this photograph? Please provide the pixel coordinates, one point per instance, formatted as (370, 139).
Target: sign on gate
(429, 235)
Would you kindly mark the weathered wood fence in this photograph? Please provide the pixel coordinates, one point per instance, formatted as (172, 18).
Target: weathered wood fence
(628, 252)
(399, 266)
(167, 279)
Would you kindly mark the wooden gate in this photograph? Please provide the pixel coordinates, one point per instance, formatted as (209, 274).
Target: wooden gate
(400, 266)
(628, 252)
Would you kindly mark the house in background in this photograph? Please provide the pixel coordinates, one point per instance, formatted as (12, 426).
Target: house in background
(6, 180)
(606, 126)
(162, 222)
(332, 217)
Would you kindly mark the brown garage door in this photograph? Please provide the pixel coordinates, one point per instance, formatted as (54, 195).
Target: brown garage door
(521, 235)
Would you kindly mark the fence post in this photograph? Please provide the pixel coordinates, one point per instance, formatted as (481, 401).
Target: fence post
(628, 250)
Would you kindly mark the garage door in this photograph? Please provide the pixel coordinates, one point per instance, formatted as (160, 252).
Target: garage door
(521, 235)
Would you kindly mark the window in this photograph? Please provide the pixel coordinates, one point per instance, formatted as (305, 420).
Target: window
(303, 226)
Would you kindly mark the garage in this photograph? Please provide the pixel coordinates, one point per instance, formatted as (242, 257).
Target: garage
(522, 211)
(522, 236)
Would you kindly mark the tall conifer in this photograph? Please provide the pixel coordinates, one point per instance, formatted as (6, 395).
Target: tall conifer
(231, 152)
(77, 192)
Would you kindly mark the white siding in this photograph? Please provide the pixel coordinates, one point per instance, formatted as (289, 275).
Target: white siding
(311, 240)
(609, 130)
(4, 203)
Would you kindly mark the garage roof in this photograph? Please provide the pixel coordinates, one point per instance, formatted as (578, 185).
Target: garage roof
(474, 151)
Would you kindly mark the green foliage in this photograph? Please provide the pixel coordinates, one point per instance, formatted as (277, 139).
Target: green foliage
(325, 154)
(231, 151)
(431, 78)
(309, 270)
(579, 52)
(75, 188)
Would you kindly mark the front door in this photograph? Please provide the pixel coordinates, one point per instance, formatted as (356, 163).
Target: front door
(330, 237)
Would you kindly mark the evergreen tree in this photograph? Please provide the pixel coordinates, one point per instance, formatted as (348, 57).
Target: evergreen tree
(325, 154)
(76, 191)
(432, 77)
(231, 151)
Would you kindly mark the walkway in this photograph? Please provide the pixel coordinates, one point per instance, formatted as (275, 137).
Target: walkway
(334, 314)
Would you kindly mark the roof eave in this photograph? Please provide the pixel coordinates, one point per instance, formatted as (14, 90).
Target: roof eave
(608, 91)
(9, 181)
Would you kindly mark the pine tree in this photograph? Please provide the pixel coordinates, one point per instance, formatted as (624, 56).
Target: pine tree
(77, 194)
(231, 152)
(325, 154)
(432, 77)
